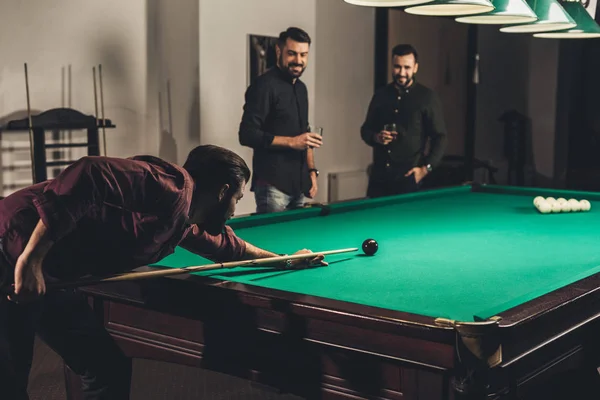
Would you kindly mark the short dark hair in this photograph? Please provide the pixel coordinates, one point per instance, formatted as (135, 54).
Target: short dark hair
(405, 50)
(212, 166)
(296, 34)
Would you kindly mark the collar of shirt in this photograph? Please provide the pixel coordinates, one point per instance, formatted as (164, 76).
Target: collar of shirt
(404, 90)
(285, 76)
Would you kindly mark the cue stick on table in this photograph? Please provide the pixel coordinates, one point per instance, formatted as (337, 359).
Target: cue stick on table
(130, 276)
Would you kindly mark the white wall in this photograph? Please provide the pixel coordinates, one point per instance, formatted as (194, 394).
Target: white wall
(173, 75)
(50, 35)
(58, 36)
(200, 48)
(345, 50)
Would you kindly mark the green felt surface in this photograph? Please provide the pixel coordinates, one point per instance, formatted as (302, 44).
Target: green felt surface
(449, 253)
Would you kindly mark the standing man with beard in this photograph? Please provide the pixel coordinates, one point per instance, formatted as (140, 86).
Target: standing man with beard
(275, 125)
(400, 161)
(101, 216)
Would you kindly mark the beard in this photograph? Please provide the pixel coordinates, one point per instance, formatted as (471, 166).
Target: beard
(215, 223)
(289, 69)
(406, 83)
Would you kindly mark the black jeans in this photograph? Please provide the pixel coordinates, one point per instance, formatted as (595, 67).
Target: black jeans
(66, 323)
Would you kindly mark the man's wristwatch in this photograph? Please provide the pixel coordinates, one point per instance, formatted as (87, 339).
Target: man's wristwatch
(315, 170)
(428, 167)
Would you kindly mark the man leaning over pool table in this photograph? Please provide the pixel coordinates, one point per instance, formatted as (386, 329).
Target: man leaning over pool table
(101, 216)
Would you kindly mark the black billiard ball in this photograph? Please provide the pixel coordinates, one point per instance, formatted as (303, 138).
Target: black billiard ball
(370, 246)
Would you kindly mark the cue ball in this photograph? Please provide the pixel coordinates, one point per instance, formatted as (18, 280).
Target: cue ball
(370, 246)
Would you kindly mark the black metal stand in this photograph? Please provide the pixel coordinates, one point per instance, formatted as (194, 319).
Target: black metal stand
(53, 120)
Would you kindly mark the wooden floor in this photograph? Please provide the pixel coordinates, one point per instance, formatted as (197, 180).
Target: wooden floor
(151, 380)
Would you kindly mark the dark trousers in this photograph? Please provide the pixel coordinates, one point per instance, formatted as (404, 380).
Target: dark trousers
(66, 323)
(391, 183)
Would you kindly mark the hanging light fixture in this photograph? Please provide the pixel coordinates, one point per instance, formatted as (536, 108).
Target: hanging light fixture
(451, 8)
(551, 17)
(386, 3)
(504, 12)
(586, 27)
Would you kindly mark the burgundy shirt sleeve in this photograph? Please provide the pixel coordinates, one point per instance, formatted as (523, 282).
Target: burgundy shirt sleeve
(221, 248)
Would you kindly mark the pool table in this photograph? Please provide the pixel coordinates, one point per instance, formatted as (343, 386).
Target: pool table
(472, 294)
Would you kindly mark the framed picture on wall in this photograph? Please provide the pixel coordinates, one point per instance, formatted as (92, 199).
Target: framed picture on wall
(262, 55)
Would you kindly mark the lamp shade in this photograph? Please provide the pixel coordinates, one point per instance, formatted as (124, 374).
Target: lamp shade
(551, 17)
(386, 3)
(451, 8)
(504, 12)
(586, 27)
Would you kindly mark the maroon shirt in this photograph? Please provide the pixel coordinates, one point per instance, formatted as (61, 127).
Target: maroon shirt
(109, 215)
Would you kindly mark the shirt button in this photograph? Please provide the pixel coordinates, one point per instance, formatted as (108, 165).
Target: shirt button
(389, 152)
(396, 111)
(399, 97)
(387, 164)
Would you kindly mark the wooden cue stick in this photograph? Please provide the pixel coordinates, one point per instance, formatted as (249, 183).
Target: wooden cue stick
(30, 125)
(160, 120)
(169, 108)
(130, 276)
(102, 106)
(95, 95)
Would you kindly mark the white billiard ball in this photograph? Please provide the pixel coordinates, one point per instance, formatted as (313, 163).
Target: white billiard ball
(544, 207)
(565, 206)
(537, 200)
(550, 199)
(575, 206)
(556, 207)
(561, 200)
(585, 205)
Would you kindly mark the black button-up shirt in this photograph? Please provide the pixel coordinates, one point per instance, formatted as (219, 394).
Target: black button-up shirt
(276, 106)
(417, 113)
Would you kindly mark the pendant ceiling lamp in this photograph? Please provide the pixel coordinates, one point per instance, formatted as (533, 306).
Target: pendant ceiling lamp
(451, 8)
(504, 12)
(551, 17)
(586, 27)
(386, 3)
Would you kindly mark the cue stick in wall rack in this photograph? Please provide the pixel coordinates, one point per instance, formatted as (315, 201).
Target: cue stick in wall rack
(95, 96)
(30, 125)
(102, 106)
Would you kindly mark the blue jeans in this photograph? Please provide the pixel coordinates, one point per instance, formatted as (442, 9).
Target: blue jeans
(269, 199)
